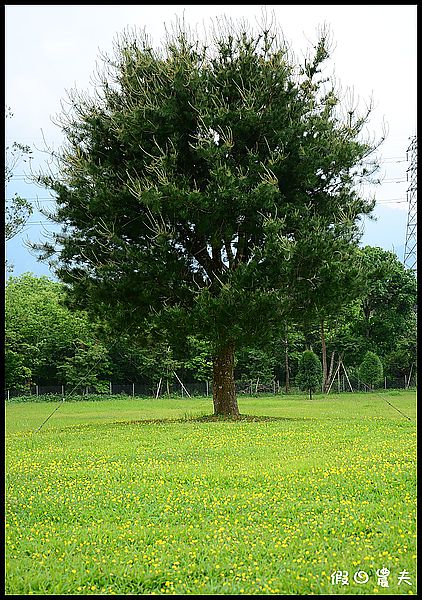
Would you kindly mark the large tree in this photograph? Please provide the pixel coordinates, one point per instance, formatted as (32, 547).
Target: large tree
(190, 182)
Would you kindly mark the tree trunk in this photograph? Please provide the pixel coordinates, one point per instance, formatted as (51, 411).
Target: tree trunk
(286, 357)
(330, 373)
(224, 390)
(324, 359)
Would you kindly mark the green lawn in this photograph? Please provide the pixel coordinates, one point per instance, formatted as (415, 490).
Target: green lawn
(136, 496)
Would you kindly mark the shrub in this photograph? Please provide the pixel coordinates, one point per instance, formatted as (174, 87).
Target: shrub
(371, 370)
(310, 372)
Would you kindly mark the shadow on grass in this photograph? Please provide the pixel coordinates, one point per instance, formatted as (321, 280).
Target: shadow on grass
(185, 419)
(213, 419)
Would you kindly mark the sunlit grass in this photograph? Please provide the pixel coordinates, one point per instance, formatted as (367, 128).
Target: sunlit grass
(101, 501)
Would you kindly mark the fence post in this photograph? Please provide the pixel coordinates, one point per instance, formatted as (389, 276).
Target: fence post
(385, 383)
(158, 387)
(36, 389)
(62, 390)
(207, 387)
(405, 381)
(8, 394)
(111, 388)
(133, 390)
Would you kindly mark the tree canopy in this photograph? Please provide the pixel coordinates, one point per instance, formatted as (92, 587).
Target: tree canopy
(202, 186)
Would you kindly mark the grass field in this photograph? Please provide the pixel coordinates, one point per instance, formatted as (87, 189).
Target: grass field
(136, 496)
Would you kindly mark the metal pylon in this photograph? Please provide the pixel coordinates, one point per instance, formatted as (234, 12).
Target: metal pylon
(410, 244)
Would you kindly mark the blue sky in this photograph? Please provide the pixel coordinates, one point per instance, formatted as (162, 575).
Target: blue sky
(52, 49)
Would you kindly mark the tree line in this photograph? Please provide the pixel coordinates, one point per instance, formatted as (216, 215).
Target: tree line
(49, 343)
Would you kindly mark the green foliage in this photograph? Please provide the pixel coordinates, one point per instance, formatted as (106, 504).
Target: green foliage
(388, 301)
(382, 319)
(17, 375)
(126, 356)
(40, 332)
(330, 277)
(45, 340)
(160, 363)
(199, 362)
(309, 375)
(371, 369)
(254, 364)
(402, 359)
(89, 366)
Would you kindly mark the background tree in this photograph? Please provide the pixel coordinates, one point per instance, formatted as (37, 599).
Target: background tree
(199, 362)
(309, 375)
(191, 180)
(384, 314)
(255, 364)
(126, 355)
(371, 369)
(17, 375)
(286, 350)
(389, 298)
(327, 281)
(48, 343)
(401, 361)
(88, 367)
(17, 209)
(40, 332)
